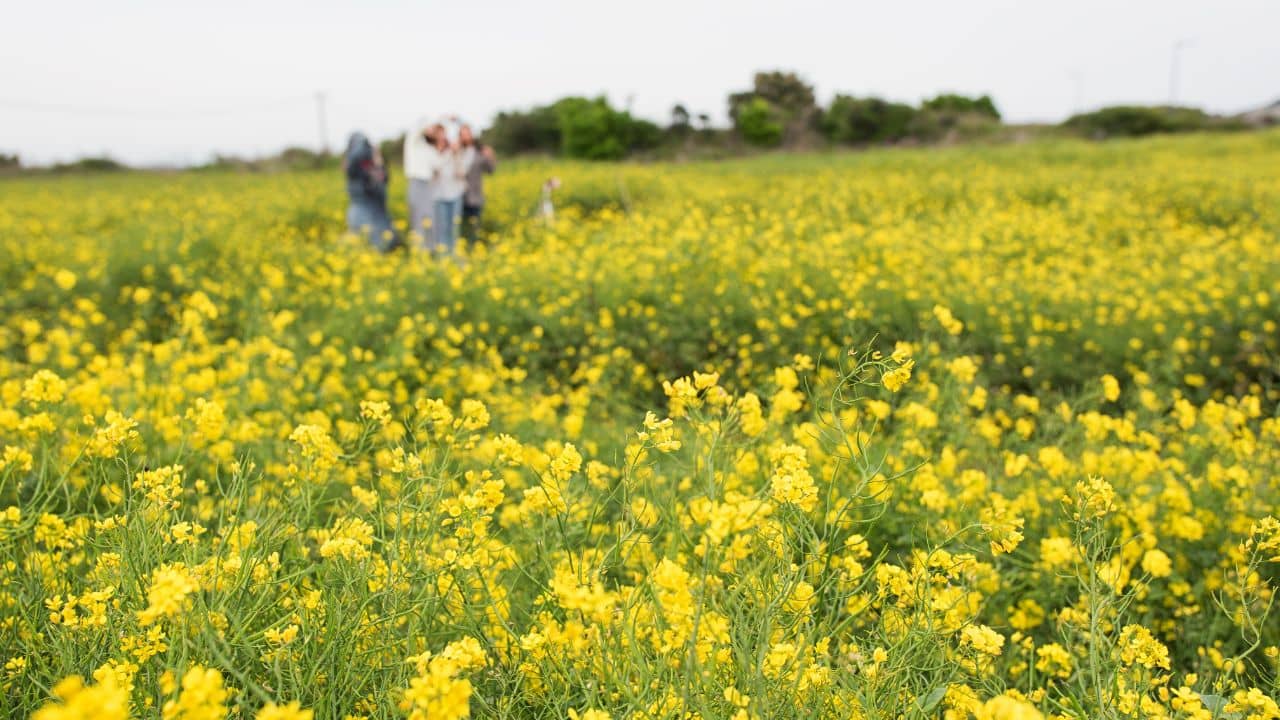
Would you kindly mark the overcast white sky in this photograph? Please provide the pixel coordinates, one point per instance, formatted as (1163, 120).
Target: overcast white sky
(172, 81)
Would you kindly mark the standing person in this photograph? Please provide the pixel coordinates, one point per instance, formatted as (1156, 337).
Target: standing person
(447, 186)
(367, 190)
(547, 208)
(420, 161)
(477, 161)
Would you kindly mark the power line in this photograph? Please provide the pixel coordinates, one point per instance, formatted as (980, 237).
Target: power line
(1175, 68)
(324, 125)
(1077, 86)
(136, 112)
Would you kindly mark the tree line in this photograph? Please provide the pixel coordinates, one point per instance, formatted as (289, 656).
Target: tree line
(780, 110)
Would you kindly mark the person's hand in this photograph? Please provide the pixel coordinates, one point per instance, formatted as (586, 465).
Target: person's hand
(487, 151)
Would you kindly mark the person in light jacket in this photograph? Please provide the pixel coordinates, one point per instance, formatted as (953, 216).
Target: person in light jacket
(367, 190)
(477, 161)
(448, 182)
(421, 159)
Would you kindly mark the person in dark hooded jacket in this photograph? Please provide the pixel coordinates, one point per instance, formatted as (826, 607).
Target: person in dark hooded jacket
(367, 188)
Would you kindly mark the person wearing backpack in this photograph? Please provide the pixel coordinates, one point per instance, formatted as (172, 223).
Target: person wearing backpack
(367, 180)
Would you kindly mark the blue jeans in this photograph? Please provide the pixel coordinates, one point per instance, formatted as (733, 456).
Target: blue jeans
(444, 225)
(471, 221)
(371, 220)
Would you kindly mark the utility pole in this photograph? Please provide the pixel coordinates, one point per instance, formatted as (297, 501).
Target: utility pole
(323, 125)
(1077, 95)
(1174, 69)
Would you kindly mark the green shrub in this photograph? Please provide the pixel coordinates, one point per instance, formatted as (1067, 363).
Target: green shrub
(592, 130)
(952, 104)
(779, 106)
(642, 134)
(576, 127)
(759, 124)
(787, 94)
(861, 120)
(91, 164)
(537, 130)
(1138, 120)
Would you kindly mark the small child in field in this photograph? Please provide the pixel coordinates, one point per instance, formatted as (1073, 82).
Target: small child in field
(547, 209)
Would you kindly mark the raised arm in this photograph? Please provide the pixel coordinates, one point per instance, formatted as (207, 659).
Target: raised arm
(411, 139)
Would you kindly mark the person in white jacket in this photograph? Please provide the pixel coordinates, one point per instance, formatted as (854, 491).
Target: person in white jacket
(448, 184)
(421, 160)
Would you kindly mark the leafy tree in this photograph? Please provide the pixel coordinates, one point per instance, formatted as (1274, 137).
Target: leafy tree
(758, 122)
(790, 96)
(786, 92)
(679, 118)
(642, 134)
(952, 115)
(776, 99)
(737, 102)
(578, 127)
(537, 130)
(593, 130)
(951, 103)
(590, 129)
(860, 120)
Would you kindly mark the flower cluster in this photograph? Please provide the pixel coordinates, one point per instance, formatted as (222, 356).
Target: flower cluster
(803, 437)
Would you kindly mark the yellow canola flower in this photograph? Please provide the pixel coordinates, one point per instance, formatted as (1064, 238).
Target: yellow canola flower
(108, 699)
(44, 387)
(436, 692)
(1003, 707)
(650, 452)
(895, 379)
(168, 593)
(1156, 563)
(292, 710)
(64, 279)
(201, 696)
(982, 639)
(1110, 388)
(791, 482)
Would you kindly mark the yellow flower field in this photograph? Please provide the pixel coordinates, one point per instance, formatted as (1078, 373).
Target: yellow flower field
(972, 433)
